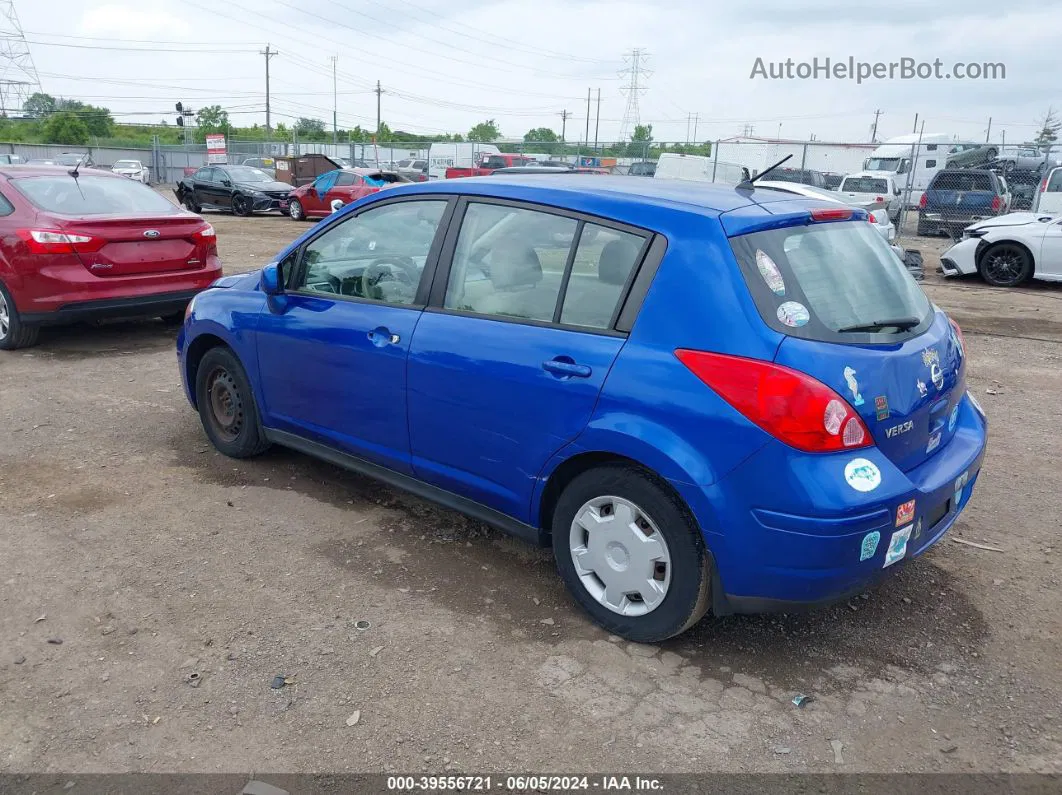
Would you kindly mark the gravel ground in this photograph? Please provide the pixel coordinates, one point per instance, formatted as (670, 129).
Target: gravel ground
(152, 589)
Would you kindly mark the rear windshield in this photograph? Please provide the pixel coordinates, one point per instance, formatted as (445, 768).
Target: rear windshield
(91, 195)
(961, 180)
(864, 185)
(823, 281)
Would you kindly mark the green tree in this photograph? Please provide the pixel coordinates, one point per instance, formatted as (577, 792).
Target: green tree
(310, 128)
(39, 105)
(641, 139)
(1049, 128)
(65, 127)
(485, 132)
(212, 118)
(97, 120)
(541, 135)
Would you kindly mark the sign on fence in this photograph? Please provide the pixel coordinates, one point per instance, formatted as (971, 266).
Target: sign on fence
(216, 152)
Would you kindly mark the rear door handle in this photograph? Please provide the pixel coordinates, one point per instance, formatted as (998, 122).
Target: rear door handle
(566, 369)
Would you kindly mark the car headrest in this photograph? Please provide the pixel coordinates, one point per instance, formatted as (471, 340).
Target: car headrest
(617, 259)
(514, 264)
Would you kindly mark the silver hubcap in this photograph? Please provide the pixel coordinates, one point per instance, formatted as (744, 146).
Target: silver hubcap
(5, 317)
(295, 210)
(620, 556)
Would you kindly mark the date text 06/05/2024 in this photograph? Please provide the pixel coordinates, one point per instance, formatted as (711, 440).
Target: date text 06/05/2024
(523, 783)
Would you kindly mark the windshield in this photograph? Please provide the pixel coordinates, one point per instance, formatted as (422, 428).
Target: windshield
(813, 281)
(92, 195)
(126, 164)
(248, 174)
(882, 164)
(864, 185)
(70, 160)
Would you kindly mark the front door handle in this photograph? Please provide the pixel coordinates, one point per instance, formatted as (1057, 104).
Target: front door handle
(566, 368)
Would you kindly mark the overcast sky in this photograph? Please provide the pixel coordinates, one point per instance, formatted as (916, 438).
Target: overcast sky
(447, 64)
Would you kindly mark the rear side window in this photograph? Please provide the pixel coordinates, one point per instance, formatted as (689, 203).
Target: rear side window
(962, 180)
(864, 185)
(602, 266)
(345, 178)
(91, 195)
(6, 208)
(823, 281)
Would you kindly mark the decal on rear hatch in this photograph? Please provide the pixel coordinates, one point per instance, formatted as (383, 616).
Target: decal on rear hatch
(853, 386)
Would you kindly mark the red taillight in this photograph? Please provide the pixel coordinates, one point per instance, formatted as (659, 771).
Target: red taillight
(880, 199)
(997, 204)
(206, 233)
(958, 333)
(922, 202)
(871, 218)
(790, 405)
(831, 214)
(51, 241)
(1043, 186)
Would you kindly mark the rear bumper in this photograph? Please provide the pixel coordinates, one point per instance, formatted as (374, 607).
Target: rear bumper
(810, 539)
(111, 308)
(934, 221)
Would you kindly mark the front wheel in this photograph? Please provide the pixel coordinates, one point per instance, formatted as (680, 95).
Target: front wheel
(1005, 265)
(295, 210)
(226, 405)
(241, 205)
(630, 555)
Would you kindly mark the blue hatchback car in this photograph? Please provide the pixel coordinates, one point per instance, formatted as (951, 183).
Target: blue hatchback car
(702, 397)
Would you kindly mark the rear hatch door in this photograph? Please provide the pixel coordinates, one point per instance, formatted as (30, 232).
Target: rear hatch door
(961, 194)
(134, 245)
(855, 320)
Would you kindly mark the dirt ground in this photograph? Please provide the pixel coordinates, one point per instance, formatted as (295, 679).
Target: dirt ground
(151, 590)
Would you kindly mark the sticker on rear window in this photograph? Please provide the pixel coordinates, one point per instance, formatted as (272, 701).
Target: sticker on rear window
(793, 314)
(770, 273)
(862, 475)
(853, 386)
(897, 546)
(870, 545)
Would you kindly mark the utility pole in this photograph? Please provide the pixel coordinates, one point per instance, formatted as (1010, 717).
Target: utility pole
(988, 132)
(696, 120)
(633, 74)
(874, 131)
(335, 103)
(379, 92)
(914, 129)
(266, 52)
(588, 117)
(564, 123)
(597, 119)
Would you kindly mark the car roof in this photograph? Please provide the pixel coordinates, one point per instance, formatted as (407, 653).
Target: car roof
(872, 174)
(25, 170)
(621, 197)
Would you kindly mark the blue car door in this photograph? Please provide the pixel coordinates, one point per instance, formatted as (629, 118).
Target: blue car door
(507, 362)
(332, 348)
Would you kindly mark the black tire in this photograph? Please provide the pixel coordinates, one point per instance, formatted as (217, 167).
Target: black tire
(1005, 264)
(226, 405)
(190, 204)
(173, 318)
(241, 205)
(13, 333)
(687, 597)
(296, 211)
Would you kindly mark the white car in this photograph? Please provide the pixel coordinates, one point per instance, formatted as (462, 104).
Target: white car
(1049, 195)
(871, 190)
(1008, 250)
(879, 216)
(133, 169)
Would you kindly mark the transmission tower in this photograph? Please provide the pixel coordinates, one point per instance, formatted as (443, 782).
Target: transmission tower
(18, 75)
(633, 73)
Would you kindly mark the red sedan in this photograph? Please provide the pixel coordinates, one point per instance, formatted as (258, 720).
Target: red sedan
(346, 185)
(86, 244)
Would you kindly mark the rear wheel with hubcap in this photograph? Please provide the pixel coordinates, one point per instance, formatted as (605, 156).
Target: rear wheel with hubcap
(1005, 265)
(226, 405)
(630, 555)
(13, 334)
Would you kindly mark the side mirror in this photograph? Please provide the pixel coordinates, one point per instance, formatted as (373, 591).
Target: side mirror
(227, 183)
(272, 279)
(337, 205)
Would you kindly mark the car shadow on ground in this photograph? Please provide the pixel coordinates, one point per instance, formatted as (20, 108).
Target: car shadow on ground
(105, 338)
(917, 618)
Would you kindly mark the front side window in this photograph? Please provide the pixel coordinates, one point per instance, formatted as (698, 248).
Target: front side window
(378, 255)
(205, 175)
(345, 178)
(509, 261)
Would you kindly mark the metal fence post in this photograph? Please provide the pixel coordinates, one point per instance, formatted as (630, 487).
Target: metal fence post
(804, 156)
(715, 159)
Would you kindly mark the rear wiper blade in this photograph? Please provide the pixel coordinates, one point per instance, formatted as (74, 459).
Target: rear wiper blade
(901, 323)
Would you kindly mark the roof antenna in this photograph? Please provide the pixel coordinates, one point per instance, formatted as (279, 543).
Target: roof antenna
(746, 184)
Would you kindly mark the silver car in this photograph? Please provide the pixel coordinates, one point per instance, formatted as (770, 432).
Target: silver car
(871, 192)
(133, 169)
(879, 215)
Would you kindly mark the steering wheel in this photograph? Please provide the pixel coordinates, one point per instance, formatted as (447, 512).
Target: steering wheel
(406, 275)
